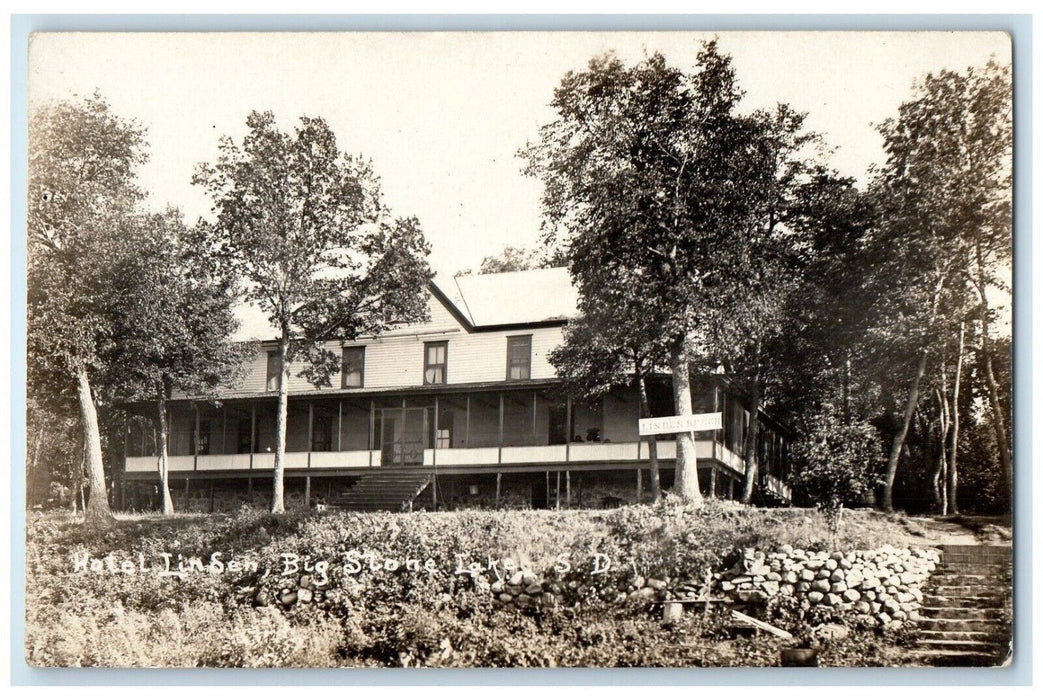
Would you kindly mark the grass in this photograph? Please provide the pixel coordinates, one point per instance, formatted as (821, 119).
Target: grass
(396, 618)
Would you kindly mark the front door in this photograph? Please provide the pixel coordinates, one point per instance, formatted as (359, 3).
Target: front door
(403, 436)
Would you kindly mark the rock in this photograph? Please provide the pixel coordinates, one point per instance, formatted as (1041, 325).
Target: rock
(528, 578)
(833, 600)
(262, 599)
(288, 598)
(738, 580)
(516, 579)
(831, 564)
(306, 581)
(816, 597)
(657, 584)
(304, 595)
(851, 595)
(786, 589)
(837, 575)
(773, 576)
(883, 617)
(862, 607)
(497, 586)
(807, 575)
(830, 632)
(505, 597)
(638, 582)
(727, 586)
(752, 596)
(821, 585)
(844, 563)
(642, 594)
(790, 577)
(524, 599)
(770, 588)
(838, 587)
(549, 599)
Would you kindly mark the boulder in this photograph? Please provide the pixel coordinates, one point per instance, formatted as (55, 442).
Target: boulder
(304, 595)
(816, 597)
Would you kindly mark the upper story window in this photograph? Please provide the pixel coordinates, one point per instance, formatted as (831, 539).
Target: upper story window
(353, 368)
(519, 357)
(274, 370)
(435, 362)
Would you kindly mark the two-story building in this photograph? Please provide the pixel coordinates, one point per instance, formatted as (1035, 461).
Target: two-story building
(463, 409)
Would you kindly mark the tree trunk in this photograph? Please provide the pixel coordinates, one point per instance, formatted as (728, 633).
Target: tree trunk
(31, 478)
(278, 504)
(940, 481)
(653, 451)
(749, 448)
(96, 510)
(998, 421)
(686, 480)
(899, 439)
(164, 462)
(953, 450)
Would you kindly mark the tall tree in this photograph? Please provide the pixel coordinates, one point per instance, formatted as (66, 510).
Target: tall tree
(303, 226)
(947, 191)
(82, 193)
(648, 172)
(176, 325)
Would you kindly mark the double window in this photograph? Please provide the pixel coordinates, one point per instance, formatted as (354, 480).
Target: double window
(353, 368)
(519, 357)
(435, 355)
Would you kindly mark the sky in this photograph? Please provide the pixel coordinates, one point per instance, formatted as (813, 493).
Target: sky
(442, 115)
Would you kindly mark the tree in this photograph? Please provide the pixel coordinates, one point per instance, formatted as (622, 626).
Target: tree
(648, 173)
(302, 225)
(175, 325)
(946, 195)
(82, 192)
(834, 464)
(601, 350)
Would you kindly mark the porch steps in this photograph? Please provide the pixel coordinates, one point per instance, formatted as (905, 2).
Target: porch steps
(392, 490)
(966, 614)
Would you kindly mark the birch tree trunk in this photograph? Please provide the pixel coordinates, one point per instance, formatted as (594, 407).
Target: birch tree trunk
(164, 461)
(953, 450)
(96, 510)
(899, 439)
(998, 421)
(278, 501)
(686, 481)
(749, 448)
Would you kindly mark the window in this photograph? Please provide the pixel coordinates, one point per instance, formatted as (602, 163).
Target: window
(519, 356)
(435, 363)
(274, 370)
(203, 437)
(353, 367)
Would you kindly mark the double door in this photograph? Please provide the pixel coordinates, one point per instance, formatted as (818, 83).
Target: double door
(404, 435)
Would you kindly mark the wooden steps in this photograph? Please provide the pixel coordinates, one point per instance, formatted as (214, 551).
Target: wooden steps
(390, 489)
(966, 614)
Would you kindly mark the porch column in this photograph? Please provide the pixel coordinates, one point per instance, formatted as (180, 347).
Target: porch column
(253, 433)
(568, 489)
(568, 427)
(499, 457)
(713, 480)
(557, 490)
(534, 417)
(639, 484)
(307, 492)
(372, 428)
(224, 429)
(434, 443)
(195, 447)
(311, 430)
(498, 475)
(716, 409)
(467, 423)
(340, 424)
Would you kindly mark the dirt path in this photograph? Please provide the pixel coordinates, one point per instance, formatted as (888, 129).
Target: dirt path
(926, 531)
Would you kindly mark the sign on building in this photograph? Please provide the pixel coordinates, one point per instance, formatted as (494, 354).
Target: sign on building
(679, 424)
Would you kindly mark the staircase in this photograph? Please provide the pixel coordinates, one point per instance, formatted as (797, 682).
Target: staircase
(391, 489)
(966, 613)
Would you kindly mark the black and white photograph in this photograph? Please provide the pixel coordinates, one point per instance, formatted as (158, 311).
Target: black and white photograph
(519, 349)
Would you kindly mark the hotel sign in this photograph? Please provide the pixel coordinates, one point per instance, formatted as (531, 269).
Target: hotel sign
(679, 424)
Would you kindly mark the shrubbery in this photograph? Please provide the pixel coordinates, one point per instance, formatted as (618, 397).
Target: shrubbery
(401, 617)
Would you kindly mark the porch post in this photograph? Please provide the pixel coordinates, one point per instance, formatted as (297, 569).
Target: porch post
(713, 480)
(499, 456)
(372, 428)
(224, 429)
(533, 416)
(434, 444)
(568, 427)
(195, 447)
(307, 492)
(568, 489)
(639, 484)
(498, 475)
(713, 438)
(186, 493)
(311, 430)
(211, 495)
(557, 490)
(467, 423)
(253, 434)
(340, 424)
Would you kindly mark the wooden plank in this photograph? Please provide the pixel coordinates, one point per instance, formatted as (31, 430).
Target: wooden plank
(758, 624)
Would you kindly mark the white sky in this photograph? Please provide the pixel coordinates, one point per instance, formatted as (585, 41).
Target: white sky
(443, 115)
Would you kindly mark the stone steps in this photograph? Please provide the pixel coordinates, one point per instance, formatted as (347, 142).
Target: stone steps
(393, 491)
(964, 608)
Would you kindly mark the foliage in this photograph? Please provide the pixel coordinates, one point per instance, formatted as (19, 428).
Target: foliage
(82, 227)
(303, 226)
(834, 464)
(389, 618)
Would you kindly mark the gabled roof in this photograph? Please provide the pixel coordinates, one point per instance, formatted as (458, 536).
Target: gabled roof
(511, 298)
(525, 297)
